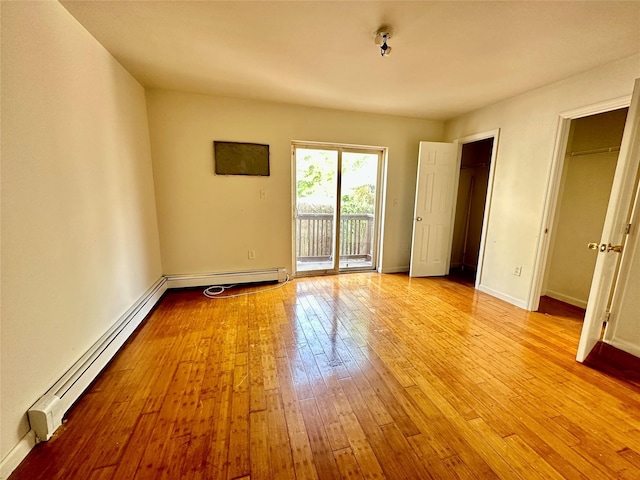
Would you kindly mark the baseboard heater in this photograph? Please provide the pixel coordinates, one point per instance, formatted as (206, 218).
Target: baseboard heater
(229, 278)
(45, 416)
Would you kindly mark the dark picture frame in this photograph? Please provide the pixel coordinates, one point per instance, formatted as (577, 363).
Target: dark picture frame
(241, 158)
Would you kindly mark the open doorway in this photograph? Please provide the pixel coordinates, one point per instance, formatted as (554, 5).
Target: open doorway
(436, 203)
(586, 180)
(473, 183)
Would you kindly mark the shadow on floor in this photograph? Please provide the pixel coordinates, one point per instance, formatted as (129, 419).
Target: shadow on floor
(463, 276)
(615, 363)
(551, 306)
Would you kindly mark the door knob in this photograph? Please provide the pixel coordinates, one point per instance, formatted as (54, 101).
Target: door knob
(418, 219)
(614, 248)
(604, 247)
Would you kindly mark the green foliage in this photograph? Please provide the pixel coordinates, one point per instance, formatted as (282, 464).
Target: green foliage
(316, 176)
(316, 184)
(362, 200)
(307, 185)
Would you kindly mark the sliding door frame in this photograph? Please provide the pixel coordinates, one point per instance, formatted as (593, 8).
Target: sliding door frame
(377, 231)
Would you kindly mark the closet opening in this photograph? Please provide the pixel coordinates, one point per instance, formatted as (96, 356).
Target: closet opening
(588, 168)
(473, 184)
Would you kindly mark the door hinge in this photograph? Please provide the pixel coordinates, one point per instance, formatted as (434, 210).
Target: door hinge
(607, 318)
(627, 229)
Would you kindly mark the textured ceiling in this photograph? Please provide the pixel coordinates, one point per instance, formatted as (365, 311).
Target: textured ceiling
(448, 57)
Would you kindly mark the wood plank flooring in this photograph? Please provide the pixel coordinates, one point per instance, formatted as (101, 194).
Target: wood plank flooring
(357, 376)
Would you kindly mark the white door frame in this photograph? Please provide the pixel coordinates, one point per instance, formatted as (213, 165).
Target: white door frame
(380, 188)
(553, 188)
(495, 134)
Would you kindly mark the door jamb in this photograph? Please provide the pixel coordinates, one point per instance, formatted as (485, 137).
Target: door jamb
(495, 134)
(553, 188)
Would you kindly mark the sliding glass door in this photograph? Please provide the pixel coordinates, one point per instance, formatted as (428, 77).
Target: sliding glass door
(336, 208)
(358, 203)
(316, 210)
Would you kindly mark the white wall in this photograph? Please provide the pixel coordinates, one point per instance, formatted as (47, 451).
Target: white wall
(528, 126)
(79, 232)
(207, 222)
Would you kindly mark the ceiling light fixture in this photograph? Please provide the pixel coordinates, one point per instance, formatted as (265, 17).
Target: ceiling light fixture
(382, 36)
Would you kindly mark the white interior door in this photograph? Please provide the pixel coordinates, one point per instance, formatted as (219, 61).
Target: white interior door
(614, 230)
(433, 213)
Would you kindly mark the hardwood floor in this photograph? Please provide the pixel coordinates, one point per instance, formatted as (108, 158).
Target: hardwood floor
(351, 376)
(551, 306)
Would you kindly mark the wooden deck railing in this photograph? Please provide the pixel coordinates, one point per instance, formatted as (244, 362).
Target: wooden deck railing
(314, 234)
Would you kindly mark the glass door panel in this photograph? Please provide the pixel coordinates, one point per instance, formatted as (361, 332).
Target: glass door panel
(359, 183)
(316, 183)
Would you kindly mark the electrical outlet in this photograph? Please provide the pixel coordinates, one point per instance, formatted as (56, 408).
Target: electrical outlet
(251, 254)
(517, 271)
(263, 194)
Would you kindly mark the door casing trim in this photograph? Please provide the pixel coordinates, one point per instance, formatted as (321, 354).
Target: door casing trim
(554, 178)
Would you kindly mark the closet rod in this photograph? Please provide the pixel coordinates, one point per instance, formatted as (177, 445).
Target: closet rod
(593, 152)
(477, 165)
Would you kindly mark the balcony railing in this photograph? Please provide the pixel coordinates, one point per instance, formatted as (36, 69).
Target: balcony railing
(314, 234)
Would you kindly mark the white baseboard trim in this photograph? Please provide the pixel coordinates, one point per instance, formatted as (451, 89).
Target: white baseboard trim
(576, 302)
(17, 454)
(394, 269)
(626, 347)
(507, 298)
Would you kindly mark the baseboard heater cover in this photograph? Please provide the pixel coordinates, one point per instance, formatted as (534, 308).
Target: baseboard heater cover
(227, 278)
(45, 416)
